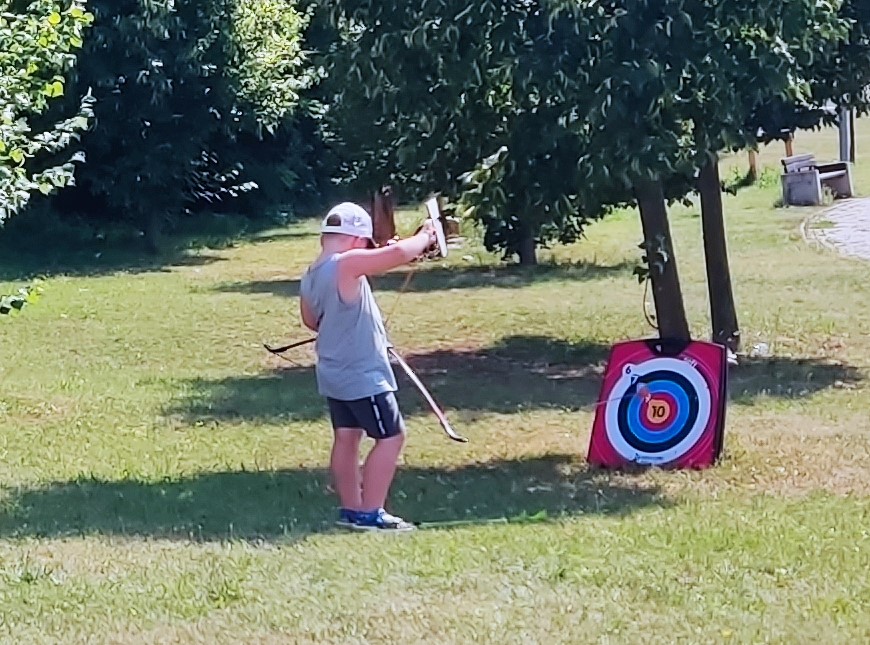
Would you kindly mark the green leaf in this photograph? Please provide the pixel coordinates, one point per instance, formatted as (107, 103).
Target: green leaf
(54, 18)
(17, 155)
(53, 90)
(76, 12)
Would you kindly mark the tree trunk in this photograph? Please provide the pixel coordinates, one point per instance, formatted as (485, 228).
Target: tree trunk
(153, 232)
(670, 310)
(723, 313)
(527, 251)
(753, 167)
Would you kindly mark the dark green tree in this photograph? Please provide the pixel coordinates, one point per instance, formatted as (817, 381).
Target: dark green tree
(184, 91)
(542, 116)
(836, 76)
(38, 44)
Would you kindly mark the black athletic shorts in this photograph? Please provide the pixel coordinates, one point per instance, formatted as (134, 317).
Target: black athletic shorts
(378, 415)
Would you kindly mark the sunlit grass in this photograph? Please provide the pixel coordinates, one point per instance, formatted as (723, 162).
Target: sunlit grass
(162, 475)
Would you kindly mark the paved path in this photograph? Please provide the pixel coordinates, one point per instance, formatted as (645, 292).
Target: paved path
(844, 227)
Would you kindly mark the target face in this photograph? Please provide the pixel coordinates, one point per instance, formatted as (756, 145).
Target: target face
(659, 409)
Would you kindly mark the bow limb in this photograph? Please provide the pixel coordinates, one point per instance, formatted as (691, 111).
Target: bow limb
(279, 351)
(442, 418)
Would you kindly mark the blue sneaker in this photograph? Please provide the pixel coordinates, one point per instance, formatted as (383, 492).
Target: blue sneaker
(347, 518)
(380, 520)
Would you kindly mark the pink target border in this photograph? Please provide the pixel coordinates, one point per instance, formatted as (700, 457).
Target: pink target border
(707, 360)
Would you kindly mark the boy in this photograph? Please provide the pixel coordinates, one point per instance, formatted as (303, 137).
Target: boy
(353, 368)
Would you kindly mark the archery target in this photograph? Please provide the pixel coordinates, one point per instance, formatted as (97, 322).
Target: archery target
(657, 409)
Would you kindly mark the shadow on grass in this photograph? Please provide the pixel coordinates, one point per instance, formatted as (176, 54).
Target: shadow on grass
(261, 238)
(433, 278)
(26, 267)
(788, 378)
(27, 251)
(521, 373)
(271, 505)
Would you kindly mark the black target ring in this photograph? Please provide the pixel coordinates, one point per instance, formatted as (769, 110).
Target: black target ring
(647, 379)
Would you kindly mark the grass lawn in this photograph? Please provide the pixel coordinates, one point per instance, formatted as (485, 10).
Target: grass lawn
(162, 477)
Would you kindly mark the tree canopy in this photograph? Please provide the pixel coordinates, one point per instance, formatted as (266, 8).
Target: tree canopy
(38, 41)
(541, 116)
(183, 92)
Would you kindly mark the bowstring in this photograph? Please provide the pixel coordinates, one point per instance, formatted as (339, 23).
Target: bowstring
(402, 290)
(406, 282)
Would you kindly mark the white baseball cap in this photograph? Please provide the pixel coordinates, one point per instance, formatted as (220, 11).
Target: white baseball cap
(348, 218)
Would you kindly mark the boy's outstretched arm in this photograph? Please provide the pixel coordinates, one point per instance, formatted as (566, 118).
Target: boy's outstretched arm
(360, 262)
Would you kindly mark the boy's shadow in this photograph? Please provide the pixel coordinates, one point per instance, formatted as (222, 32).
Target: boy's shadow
(273, 505)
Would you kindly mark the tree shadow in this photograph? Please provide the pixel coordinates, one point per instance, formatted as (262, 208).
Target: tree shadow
(520, 373)
(27, 267)
(788, 378)
(45, 246)
(454, 277)
(293, 503)
(263, 238)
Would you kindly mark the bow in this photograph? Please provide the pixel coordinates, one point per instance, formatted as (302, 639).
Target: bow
(433, 209)
(442, 418)
(280, 350)
(433, 405)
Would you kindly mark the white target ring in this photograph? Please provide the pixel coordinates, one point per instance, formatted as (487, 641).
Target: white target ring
(631, 373)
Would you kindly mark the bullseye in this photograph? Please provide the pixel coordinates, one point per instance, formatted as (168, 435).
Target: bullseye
(658, 411)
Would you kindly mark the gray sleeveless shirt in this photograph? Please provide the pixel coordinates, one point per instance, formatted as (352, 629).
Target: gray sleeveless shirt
(351, 346)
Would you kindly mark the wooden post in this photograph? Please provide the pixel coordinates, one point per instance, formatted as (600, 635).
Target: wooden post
(852, 138)
(668, 297)
(383, 215)
(789, 147)
(845, 135)
(753, 166)
(846, 129)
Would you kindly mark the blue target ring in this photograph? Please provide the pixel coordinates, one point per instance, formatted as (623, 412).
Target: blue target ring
(629, 418)
(635, 409)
